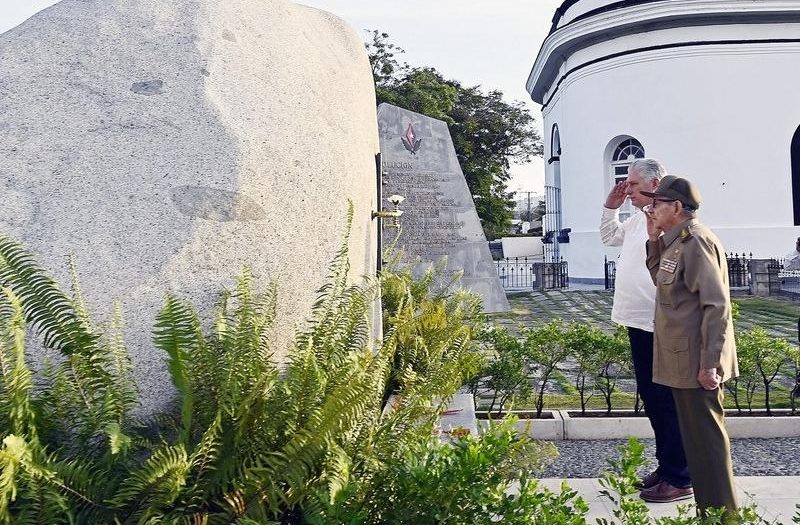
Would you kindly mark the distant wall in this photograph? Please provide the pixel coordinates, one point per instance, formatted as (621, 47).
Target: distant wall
(522, 247)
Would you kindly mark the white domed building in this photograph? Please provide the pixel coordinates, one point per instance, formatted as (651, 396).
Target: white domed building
(711, 88)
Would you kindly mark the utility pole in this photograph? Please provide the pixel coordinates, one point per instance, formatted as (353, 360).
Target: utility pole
(529, 206)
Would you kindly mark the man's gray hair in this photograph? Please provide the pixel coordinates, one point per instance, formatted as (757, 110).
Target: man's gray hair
(648, 169)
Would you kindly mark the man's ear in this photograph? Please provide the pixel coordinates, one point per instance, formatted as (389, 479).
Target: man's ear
(653, 184)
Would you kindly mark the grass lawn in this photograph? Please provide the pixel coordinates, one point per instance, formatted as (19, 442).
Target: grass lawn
(777, 315)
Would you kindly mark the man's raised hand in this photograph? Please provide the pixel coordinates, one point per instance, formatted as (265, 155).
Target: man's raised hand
(616, 197)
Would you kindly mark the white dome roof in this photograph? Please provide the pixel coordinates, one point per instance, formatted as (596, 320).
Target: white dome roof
(582, 24)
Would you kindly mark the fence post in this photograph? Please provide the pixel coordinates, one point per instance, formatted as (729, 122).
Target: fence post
(764, 279)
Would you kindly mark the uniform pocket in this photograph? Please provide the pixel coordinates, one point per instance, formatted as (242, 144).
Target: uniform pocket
(679, 352)
(664, 282)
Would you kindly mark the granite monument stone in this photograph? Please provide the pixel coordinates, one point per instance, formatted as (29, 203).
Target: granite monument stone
(439, 219)
(167, 143)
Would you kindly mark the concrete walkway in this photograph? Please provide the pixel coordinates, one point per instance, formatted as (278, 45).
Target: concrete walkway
(776, 497)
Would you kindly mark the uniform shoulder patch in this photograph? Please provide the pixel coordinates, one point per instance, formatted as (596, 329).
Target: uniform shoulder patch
(685, 235)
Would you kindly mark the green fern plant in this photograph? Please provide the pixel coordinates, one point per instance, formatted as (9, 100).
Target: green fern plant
(249, 441)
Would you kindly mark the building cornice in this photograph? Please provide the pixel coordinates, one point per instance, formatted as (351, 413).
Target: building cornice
(603, 26)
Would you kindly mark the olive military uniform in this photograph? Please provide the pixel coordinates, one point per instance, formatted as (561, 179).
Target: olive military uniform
(694, 330)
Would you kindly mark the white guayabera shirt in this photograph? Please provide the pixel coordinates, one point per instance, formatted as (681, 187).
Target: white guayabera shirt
(634, 291)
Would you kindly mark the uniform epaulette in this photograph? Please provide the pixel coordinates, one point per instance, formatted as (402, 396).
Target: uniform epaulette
(685, 235)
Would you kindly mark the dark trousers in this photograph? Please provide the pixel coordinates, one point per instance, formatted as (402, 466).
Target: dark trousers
(660, 409)
(708, 448)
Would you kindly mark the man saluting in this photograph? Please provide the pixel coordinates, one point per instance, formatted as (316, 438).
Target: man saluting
(694, 350)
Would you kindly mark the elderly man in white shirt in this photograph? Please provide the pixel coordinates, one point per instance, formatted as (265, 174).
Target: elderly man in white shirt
(634, 308)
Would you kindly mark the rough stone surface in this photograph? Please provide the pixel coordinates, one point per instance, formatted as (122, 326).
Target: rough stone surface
(166, 143)
(439, 218)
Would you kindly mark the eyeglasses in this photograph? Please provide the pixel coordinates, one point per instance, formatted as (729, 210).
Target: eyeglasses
(650, 208)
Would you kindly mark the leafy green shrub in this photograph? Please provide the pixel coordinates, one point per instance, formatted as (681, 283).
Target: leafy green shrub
(619, 487)
(583, 342)
(614, 358)
(248, 443)
(466, 481)
(545, 349)
(505, 375)
(761, 358)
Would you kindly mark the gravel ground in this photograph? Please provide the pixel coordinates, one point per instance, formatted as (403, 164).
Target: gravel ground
(751, 457)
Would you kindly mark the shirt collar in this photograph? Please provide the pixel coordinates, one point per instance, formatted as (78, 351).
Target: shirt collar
(670, 236)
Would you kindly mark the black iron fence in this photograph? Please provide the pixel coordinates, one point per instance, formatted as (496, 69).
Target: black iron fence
(610, 269)
(739, 270)
(789, 279)
(520, 273)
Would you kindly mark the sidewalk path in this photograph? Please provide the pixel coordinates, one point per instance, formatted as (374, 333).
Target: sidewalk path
(776, 497)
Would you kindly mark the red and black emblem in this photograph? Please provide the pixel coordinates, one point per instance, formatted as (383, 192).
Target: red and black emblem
(410, 140)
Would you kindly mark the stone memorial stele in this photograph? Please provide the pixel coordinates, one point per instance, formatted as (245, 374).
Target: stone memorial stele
(167, 143)
(439, 219)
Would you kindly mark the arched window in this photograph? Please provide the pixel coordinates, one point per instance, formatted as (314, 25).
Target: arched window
(551, 222)
(555, 145)
(628, 150)
(625, 151)
(795, 151)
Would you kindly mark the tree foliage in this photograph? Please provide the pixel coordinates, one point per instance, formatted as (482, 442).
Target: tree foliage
(489, 133)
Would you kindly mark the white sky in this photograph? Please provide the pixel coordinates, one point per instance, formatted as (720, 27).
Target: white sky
(488, 42)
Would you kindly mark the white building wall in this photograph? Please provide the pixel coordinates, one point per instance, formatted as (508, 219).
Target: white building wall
(722, 116)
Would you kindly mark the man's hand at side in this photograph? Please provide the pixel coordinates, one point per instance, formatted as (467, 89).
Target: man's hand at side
(708, 378)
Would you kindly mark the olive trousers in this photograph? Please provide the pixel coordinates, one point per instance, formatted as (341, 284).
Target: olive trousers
(708, 450)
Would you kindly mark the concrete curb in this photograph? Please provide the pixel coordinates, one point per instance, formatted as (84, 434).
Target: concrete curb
(547, 429)
(565, 427)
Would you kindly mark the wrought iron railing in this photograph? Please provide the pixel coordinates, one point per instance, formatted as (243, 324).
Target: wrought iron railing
(520, 273)
(739, 270)
(610, 271)
(789, 279)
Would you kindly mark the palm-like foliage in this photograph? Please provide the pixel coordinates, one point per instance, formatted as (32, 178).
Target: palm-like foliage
(248, 442)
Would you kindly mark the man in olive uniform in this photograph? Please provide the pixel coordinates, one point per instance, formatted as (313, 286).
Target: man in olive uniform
(694, 349)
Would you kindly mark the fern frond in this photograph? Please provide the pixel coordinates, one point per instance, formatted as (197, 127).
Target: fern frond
(78, 301)
(175, 333)
(47, 308)
(151, 488)
(47, 488)
(17, 378)
(125, 395)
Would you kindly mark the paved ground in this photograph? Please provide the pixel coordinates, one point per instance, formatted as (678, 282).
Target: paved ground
(751, 457)
(778, 315)
(776, 497)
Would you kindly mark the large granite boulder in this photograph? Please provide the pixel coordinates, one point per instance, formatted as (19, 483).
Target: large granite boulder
(166, 143)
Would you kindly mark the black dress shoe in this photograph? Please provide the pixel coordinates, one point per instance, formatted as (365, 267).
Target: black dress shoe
(650, 480)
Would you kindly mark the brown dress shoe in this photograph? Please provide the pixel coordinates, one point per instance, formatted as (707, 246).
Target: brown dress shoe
(663, 492)
(650, 480)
